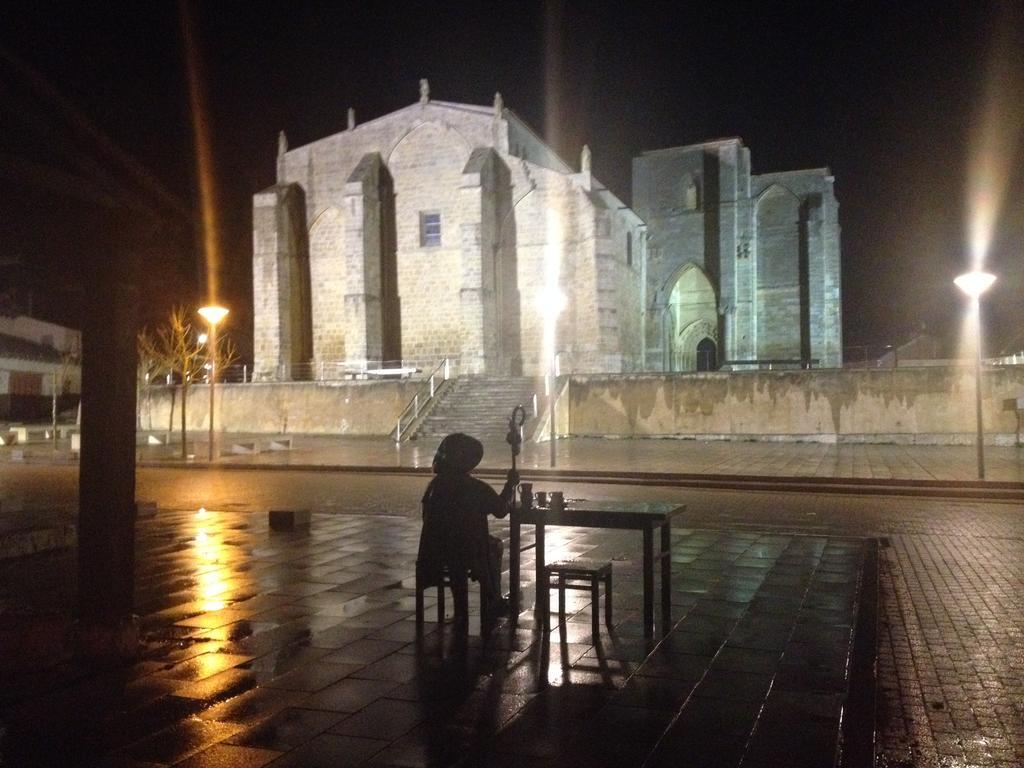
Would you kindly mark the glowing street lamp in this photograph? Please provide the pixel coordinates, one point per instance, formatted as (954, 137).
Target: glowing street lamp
(973, 284)
(212, 315)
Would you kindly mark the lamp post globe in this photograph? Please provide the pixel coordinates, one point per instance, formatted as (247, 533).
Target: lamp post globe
(975, 283)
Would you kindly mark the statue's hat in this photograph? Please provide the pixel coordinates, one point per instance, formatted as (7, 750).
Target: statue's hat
(458, 452)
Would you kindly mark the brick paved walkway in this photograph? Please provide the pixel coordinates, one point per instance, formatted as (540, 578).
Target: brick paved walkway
(951, 629)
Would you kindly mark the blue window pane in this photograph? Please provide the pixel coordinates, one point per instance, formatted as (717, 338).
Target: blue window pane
(430, 229)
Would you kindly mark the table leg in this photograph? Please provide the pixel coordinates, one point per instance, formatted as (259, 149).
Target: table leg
(543, 590)
(666, 573)
(648, 582)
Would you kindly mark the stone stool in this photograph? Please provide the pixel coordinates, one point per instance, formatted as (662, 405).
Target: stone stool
(570, 575)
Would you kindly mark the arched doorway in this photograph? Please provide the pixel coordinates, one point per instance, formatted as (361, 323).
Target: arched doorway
(691, 314)
(707, 355)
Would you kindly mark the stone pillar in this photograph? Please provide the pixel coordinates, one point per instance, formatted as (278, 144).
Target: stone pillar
(832, 312)
(363, 248)
(479, 244)
(280, 277)
(106, 519)
(812, 292)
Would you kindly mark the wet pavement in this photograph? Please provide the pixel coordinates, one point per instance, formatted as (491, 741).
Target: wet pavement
(246, 630)
(686, 457)
(268, 648)
(822, 461)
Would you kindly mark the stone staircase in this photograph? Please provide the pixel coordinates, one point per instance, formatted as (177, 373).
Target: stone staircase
(479, 406)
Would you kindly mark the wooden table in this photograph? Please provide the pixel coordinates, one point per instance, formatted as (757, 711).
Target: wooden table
(640, 516)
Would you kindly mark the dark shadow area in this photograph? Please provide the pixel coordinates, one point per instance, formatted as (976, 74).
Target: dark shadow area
(390, 302)
(506, 274)
(711, 197)
(707, 355)
(807, 206)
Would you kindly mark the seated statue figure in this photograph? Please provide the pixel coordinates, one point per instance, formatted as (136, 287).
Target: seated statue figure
(455, 534)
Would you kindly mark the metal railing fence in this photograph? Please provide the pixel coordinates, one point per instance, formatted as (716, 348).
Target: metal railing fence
(423, 398)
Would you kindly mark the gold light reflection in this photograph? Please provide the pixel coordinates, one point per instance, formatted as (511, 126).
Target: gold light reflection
(208, 664)
(204, 153)
(210, 574)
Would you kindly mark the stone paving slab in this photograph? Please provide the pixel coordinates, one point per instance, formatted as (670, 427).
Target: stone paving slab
(257, 655)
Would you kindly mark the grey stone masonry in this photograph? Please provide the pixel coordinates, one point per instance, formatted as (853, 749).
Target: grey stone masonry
(281, 279)
(363, 249)
(768, 245)
(506, 215)
(450, 230)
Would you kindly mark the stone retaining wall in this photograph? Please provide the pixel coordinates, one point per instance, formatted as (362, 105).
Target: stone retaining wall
(348, 408)
(903, 405)
(906, 405)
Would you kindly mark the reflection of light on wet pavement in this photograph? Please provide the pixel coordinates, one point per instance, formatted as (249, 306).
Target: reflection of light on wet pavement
(210, 576)
(557, 546)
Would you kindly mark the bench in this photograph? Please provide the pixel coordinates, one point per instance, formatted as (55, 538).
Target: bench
(26, 434)
(289, 519)
(568, 574)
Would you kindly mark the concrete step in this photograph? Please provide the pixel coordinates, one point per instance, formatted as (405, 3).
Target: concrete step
(479, 406)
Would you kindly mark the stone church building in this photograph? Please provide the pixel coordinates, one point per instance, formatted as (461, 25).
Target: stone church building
(452, 230)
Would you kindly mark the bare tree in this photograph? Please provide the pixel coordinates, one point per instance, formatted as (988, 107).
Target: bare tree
(69, 358)
(149, 369)
(174, 348)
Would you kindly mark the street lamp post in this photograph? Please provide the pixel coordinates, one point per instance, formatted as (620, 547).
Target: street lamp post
(213, 314)
(973, 284)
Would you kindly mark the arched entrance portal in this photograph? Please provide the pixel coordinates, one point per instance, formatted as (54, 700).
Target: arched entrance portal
(691, 317)
(707, 355)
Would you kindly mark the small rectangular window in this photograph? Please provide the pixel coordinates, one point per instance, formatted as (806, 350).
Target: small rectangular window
(430, 229)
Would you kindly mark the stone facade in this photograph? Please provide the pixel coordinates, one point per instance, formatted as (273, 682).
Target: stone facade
(436, 231)
(746, 265)
(452, 230)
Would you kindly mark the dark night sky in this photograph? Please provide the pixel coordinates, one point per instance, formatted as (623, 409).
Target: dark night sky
(886, 95)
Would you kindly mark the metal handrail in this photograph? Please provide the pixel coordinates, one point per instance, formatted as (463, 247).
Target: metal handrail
(418, 403)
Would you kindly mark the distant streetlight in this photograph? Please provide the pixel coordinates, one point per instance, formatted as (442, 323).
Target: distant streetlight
(212, 315)
(973, 284)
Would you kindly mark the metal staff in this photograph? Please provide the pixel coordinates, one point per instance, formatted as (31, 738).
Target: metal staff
(515, 435)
